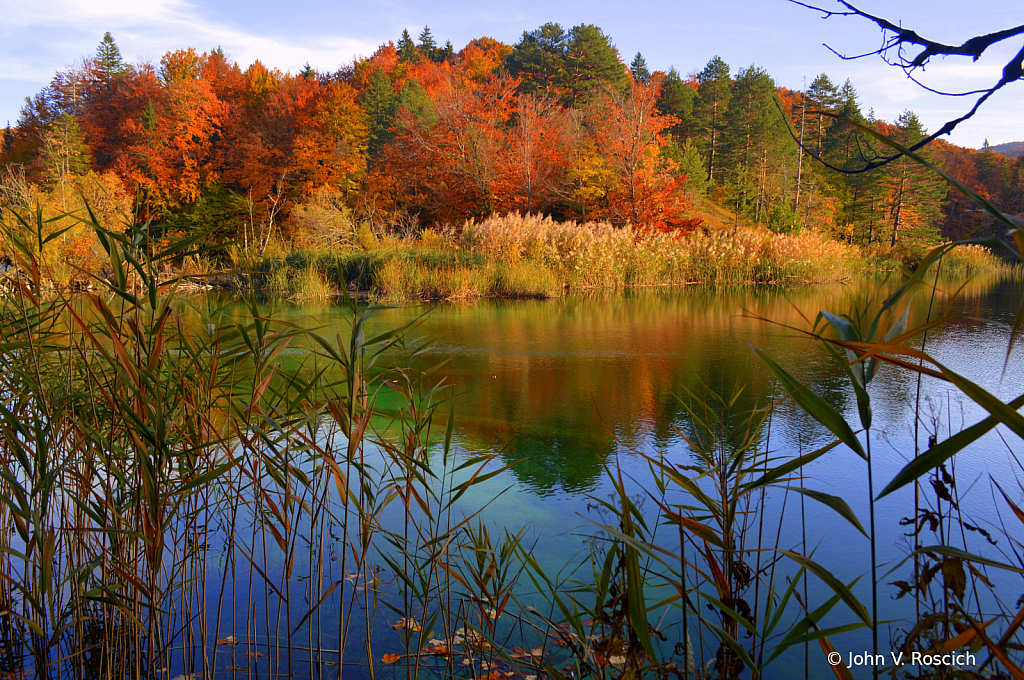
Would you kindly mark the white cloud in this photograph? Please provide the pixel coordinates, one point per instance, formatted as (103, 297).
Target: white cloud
(41, 39)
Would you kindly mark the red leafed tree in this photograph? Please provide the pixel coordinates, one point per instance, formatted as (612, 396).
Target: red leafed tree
(224, 76)
(482, 57)
(961, 215)
(184, 64)
(172, 157)
(384, 59)
(537, 156)
(644, 192)
(288, 136)
(115, 113)
(250, 161)
(329, 144)
(449, 161)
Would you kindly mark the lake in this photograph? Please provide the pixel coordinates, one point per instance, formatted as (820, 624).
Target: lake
(568, 390)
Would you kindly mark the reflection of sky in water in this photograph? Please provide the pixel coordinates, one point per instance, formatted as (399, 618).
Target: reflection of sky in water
(567, 388)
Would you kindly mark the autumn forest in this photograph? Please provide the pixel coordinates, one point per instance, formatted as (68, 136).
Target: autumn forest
(632, 440)
(421, 135)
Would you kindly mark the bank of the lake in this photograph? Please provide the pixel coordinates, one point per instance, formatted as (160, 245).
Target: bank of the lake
(532, 256)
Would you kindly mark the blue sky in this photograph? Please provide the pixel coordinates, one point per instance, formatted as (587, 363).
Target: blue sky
(38, 38)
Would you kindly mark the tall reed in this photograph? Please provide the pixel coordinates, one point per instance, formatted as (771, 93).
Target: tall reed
(168, 488)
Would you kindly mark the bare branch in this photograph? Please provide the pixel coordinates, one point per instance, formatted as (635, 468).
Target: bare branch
(944, 94)
(897, 39)
(973, 47)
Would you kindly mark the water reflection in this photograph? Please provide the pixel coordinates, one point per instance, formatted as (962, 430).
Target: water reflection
(571, 386)
(562, 385)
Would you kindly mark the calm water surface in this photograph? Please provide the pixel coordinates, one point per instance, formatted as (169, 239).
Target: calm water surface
(573, 387)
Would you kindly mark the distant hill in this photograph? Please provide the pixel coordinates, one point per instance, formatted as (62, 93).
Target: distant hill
(1010, 149)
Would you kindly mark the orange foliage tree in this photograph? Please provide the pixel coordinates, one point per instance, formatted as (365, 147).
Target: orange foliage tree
(171, 157)
(643, 191)
(450, 164)
(537, 155)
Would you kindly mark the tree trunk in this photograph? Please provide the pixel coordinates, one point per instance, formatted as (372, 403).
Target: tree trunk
(800, 157)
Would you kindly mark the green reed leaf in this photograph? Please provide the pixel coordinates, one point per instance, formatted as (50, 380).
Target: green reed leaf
(943, 451)
(837, 504)
(832, 582)
(815, 406)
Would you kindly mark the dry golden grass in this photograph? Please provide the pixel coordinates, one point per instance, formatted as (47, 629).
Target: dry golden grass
(599, 254)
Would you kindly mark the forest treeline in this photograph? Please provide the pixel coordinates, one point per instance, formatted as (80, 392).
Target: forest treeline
(420, 134)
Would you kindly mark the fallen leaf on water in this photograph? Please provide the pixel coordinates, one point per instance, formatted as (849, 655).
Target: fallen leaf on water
(256, 655)
(407, 623)
(438, 650)
(391, 658)
(537, 652)
(237, 668)
(229, 641)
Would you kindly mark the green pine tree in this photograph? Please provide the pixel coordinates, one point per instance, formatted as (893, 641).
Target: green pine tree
(64, 155)
(753, 140)
(639, 69)
(844, 144)
(859, 194)
(407, 51)
(676, 99)
(539, 59)
(427, 46)
(380, 103)
(709, 110)
(914, 194)
(446, 52)
(591, 62)
(414, 99)
(149, 117)
(108, 62)
(821, 96)
(689, 164)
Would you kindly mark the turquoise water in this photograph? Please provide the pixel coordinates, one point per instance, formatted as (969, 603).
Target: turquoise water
(568, 390)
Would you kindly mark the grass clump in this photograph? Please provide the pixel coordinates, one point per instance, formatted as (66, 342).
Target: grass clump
(522, 279)
(600, 255)
(517, 255)
(971, 259)
(301, 285)
(309, 284)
